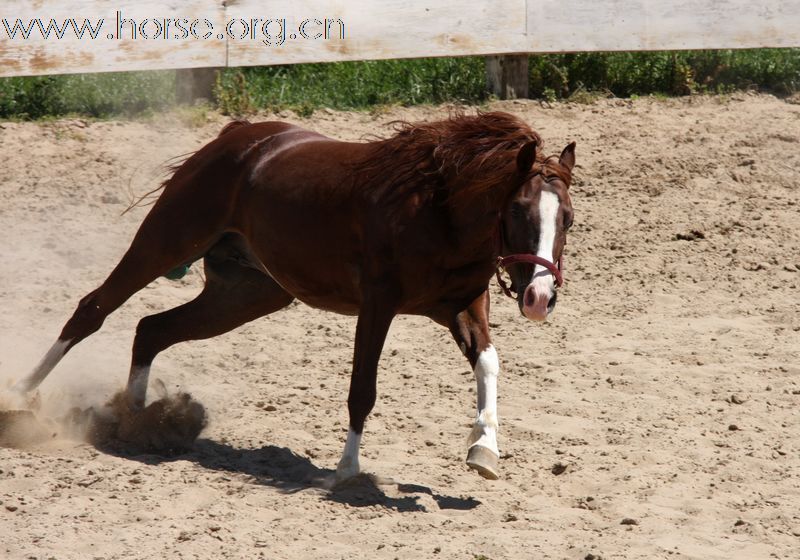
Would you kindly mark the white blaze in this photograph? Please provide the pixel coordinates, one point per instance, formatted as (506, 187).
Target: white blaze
(548, 211)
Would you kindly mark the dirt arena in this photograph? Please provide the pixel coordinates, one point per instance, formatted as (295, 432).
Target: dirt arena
(654, 416)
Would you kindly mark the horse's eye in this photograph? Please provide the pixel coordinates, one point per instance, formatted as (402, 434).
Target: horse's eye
(568, 221)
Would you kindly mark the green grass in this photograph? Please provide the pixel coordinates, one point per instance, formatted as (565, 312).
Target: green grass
(353, 85)
(367, 84)
(92, 95)
(670, 73)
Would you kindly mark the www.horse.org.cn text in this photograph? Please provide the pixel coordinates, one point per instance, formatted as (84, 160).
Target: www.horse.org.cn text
(272, 32)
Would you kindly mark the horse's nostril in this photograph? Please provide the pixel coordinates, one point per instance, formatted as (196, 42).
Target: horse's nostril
(530, 296)
(552, 303)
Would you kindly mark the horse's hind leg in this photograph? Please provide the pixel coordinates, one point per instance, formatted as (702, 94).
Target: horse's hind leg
(470, 328)
(170, 236)
(233, 295)
(86, 319)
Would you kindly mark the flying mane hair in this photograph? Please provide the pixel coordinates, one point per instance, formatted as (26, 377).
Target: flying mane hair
(460, 157)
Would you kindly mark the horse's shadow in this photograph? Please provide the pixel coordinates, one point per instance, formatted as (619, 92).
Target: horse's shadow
(281, 468)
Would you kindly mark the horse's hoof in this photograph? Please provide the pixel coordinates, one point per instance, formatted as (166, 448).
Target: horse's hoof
(347, 470)
(484, 461)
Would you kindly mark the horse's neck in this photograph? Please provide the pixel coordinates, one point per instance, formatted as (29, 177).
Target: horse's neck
(476, 210)
(474, 228)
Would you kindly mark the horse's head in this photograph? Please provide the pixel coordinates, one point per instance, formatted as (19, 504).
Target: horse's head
(534, 228)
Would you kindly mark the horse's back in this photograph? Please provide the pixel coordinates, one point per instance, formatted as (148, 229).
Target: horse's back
(296, 199)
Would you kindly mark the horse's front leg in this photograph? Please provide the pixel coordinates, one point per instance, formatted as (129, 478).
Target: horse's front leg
(470, 328)
(374, 319)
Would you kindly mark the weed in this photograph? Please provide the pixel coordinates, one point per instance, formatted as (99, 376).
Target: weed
(193, 116)
(368, 84)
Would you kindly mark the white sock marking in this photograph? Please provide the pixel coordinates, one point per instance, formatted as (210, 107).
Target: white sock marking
(348, 465)
(484, 431)
(137, 384)
(44, 367)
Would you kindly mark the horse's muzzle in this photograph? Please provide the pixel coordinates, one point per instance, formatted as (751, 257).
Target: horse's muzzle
(538, 301)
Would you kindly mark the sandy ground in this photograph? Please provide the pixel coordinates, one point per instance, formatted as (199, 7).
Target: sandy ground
(666, 385)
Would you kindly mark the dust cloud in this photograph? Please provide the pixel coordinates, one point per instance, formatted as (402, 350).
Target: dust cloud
(167, 426)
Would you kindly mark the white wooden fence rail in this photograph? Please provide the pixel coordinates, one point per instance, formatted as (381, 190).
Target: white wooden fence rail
(370, 29)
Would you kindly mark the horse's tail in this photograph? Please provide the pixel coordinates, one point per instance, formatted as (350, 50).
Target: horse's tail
(150, 197)
(171, 166)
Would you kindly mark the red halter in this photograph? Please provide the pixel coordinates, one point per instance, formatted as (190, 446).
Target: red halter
(504, 262)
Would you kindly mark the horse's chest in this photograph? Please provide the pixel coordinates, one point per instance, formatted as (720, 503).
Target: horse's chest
(428, 288)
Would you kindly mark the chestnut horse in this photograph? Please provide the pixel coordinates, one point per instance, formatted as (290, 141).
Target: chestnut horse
(414, 223)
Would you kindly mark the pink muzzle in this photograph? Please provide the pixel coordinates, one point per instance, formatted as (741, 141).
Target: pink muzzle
(530, 297)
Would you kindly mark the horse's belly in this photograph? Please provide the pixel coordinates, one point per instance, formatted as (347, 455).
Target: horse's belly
(310, 251)
(332, 286)
(335, 305)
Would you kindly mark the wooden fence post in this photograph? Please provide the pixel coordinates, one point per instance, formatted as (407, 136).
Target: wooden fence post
(507, 76)
(193, 84)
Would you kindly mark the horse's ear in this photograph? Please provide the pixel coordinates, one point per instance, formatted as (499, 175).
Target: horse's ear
(526, 157)
(567, 157)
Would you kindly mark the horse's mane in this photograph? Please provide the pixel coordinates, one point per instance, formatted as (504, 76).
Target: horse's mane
(459, 157)
(454, 160)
